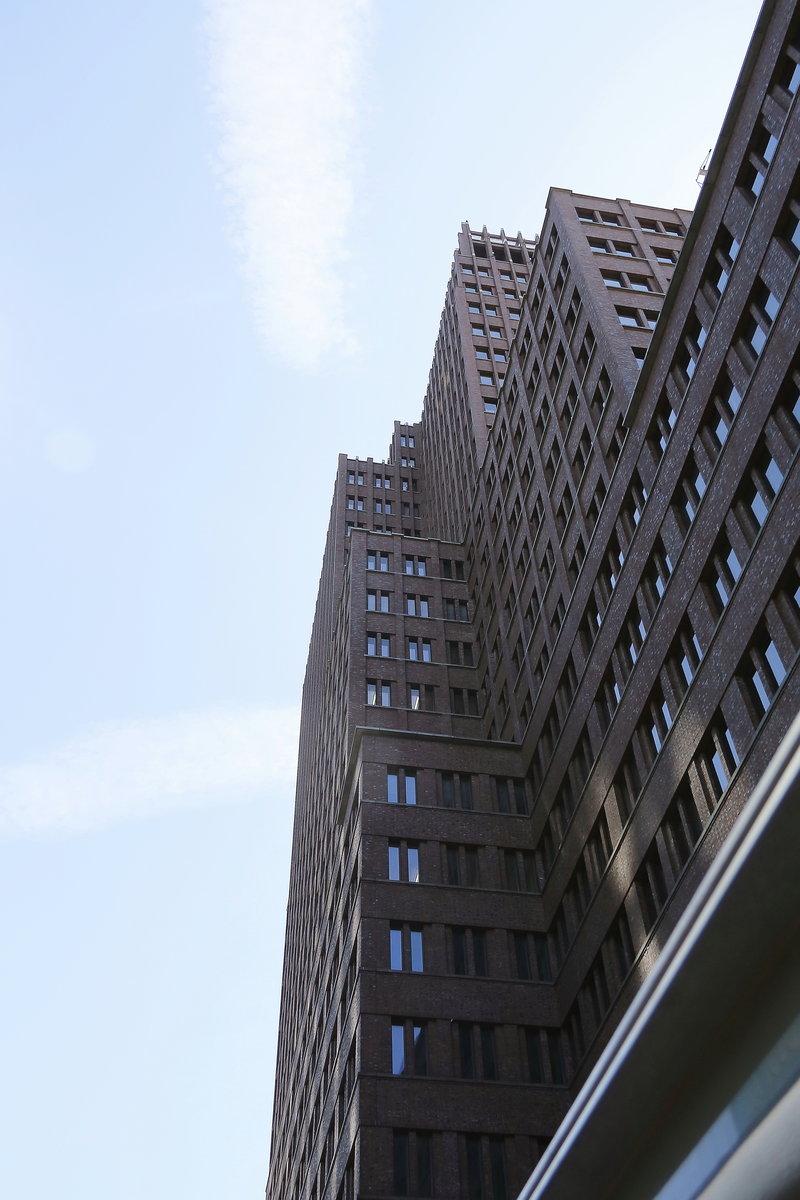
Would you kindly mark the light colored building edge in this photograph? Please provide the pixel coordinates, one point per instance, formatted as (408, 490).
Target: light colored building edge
(701, 1081)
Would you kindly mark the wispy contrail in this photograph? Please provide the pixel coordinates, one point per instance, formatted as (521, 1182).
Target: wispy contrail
(284, 77)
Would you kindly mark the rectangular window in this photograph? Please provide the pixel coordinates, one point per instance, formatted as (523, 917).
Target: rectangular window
(416, 949)
(379, 692)
(401, 786)
(404, 862)
(396, 948)
(379, 644)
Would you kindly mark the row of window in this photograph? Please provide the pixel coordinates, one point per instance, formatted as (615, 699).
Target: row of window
(422, 696)
(379, 645)
(461, 866)
(506, 276)
(482, 1165)
(384, 482)
(379, 506)
(486, 290)
(455, 789)
(537, 1052)
(499, 248)
(474, 951)
(648, 224)
(412, 564)
(490, 310)
(418, 606)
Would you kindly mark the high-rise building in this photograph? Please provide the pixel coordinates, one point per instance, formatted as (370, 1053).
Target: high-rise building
(554, 649)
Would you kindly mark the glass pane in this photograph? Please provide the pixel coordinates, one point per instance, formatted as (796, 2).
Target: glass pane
(396, 949)
(398, 1050)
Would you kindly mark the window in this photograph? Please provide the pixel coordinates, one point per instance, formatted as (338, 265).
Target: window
(401, 786)
(651, 887)
(456, 786)
(464, 701)
(789, 224)
(412, 1162)
(469, 954)
(455, 610)
(486, 379)
(762, 309)
(405, 948)
(396, 948)
(379, 692)
(417, 606)
(519, 870)
(419, 650)
(379, 644)
(409, 1047)
(422, 696)
(477, 1056)
(415, 566)
(759, 156)
(377, 561)
(398, 1049)
(761, 672)
(404, 862)
(510, 794)
(462, 865)
(723, 256)
(787, 73)
(628, 317)
(720, 575)
(378, 601)
(415, 936)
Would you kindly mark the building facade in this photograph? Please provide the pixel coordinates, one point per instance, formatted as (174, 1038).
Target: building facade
(554, 650)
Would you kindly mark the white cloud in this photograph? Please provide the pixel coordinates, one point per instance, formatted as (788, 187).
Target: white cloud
(70, 450)
(120, 772)
(284, 77)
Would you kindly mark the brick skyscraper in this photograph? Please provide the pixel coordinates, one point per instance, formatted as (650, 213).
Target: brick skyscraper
(554, 648)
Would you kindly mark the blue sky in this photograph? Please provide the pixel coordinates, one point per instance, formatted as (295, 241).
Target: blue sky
(221, 223)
